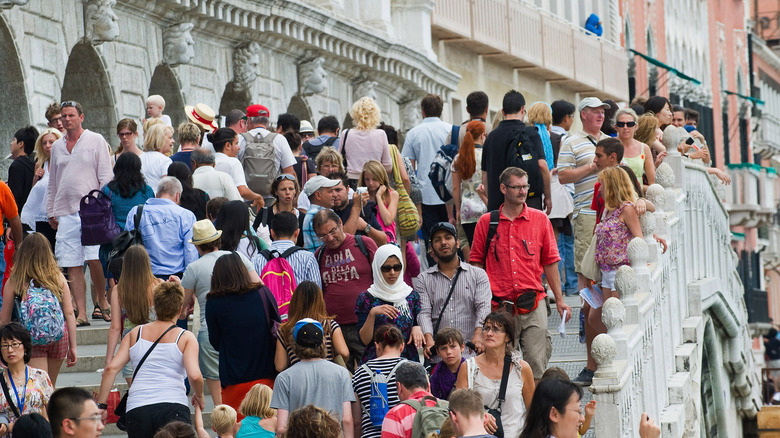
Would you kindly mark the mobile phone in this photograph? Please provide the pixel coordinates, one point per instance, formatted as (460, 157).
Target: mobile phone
(689, 141)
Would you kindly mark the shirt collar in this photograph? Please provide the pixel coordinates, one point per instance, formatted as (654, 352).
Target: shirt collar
(431, 119)
(523, 215)
(160, 201)
(461, 265)
(203, 169)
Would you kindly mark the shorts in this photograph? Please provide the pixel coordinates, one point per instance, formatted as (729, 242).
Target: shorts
(608, 279)
(583, 234)
(69, 252)
(208, 357)
(55, 350)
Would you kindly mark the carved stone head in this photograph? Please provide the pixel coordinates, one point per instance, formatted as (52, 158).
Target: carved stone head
(8, 4)
(246, 65)
(313, 77)
(365, 88)
(100, 21)
(178, 45)
(410, 114)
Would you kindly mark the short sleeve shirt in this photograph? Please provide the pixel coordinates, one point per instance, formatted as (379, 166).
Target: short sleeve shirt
(320, 383)
(231, 166)
(7, 203)
(38, 391)
(345, 274)
(577, 150)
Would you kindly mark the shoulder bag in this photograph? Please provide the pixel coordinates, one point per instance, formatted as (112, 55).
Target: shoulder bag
(408, 217)
(496, 413)
(441, 313)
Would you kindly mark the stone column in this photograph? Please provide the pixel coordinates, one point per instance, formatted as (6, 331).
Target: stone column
(413, 17)
(377, 17)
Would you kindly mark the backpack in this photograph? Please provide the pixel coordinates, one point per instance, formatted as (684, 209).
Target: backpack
(258, 162)
(122, 243)
(428, 419)
(440, 172)
(41, 314)
(278, 275)
(492, 229)
(379, 402)
(310, 150)
(98, 225)
(522, 153)
(358, 242)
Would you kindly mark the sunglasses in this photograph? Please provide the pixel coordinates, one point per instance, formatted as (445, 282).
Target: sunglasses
(68, 103)
(388, 268)
(285, 176)
(624, 124)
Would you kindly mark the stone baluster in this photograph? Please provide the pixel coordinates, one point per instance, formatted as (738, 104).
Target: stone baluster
(647, 222)
(637, 258)
(664, 176)
(626, 284)
(613, 315)
(608, 388)
(657, 195)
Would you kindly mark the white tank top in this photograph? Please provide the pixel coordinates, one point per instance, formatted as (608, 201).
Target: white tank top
(513, 409)
(161, 377)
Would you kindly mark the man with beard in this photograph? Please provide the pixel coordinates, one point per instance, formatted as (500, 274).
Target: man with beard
(356, 221)
(452, 293)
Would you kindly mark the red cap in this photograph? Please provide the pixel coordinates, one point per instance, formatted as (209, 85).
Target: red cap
(257, 111)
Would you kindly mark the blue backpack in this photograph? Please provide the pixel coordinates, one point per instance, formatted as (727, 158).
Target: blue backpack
(41, 314)
(378, 402)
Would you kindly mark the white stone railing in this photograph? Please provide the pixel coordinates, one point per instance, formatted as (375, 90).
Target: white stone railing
(651, 359)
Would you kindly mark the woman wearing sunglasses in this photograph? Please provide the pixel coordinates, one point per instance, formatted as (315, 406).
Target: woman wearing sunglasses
(389, 301)
(636, 155)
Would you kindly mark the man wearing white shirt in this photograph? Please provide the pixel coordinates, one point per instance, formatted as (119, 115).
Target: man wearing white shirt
(225, 161)
(209, 179)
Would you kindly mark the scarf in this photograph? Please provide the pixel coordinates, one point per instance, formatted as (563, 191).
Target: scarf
(548, 150)
(392, 293)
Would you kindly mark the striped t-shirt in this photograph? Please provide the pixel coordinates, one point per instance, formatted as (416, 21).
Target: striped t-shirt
(578, 149)
(361, 383)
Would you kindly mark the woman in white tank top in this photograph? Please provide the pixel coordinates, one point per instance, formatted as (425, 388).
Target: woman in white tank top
(157, 395)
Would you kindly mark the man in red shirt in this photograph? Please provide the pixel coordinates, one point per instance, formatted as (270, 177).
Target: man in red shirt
(522, 249)
(412, 382)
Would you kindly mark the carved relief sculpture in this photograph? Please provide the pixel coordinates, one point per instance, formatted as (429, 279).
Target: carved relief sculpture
(410, 114)
(312, 77)
(100, 21)
(365, 87)
(178, 45)
(240, 92)
(8, 4)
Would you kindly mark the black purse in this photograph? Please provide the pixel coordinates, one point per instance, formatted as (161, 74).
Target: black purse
(121, 407)
(496, 413)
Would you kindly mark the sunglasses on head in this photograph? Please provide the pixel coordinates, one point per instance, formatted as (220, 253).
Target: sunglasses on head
(285, 176)
(624, 124)
(68, 103)
(388, 268)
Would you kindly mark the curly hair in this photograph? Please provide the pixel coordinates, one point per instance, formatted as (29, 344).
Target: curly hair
(365, 114)
(312, 422)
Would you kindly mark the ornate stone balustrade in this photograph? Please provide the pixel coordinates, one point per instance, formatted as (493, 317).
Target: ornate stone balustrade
(678, 345)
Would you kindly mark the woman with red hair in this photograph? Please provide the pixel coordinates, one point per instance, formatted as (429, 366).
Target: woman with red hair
(470, 204)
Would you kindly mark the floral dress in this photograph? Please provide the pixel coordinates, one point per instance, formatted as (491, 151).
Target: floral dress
(612, 238)
(366, 302)
(36, 395)
(471, 205)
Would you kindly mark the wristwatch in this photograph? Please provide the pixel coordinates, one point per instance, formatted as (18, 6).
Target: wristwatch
(102, 406)
(367, 229)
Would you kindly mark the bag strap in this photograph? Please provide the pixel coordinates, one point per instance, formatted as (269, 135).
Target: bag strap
(290, 251)
(267, 254)
(492, 230)
(137, 219)
(8, 396)
(454, 134)
(343, 151)
(330, 141)
(261, 219)
(504, 382)
(361, 246)
(447, 301)
(396, 170)
(149, 351)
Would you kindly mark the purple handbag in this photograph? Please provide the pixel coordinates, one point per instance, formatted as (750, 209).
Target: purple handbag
(98, 225)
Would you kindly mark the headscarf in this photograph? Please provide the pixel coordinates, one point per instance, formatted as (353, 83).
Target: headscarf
(392, 293)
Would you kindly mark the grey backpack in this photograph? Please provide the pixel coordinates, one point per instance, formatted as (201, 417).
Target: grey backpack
(258, 162)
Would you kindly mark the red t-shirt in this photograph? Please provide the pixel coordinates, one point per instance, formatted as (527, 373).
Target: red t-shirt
(524, 246)
(345, 273)
(598, 203)
(8, 206)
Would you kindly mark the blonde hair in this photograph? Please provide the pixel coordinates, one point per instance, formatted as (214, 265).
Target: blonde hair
(156, 99)
(447, 430)
(168, 298)
(625, 111)
(40, 155)
(188, 133)
(257, 402)
(148, 123)
(616, 187)
(540, 112)
(223, 419)
(646, 125)
(136, 278)
(34, 261)
(378, 171)
(331, 155)
(154, 138)
(498, 118)
(365, 114)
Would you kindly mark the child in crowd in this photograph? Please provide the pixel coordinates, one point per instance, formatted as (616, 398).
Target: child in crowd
(449, 345)
(155, 104)
(259, 418)
(223, 422)
(590, 407)
(213, 206)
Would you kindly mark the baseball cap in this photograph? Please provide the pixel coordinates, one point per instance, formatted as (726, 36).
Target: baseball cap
(592, 102)
(308, 333)
(257, 111)
(306, 127)
(318, 182)
(446, 226)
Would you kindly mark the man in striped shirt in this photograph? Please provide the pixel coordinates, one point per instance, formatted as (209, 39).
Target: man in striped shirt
(412, 382)
(284, 232)
(575, 165)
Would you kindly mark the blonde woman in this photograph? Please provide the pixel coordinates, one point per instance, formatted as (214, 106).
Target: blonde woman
(158, 142)
(636, 154)
(35, 268)
(259, 418)
(374, 177)
(34, 210)
(647, 132)
(365, 141)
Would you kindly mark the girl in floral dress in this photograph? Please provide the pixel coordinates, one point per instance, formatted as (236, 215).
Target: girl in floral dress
(470, 204)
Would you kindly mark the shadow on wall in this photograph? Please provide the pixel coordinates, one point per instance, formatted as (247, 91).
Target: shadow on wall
(11, 90)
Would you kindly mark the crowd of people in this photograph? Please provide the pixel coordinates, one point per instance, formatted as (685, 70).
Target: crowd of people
(346, 284)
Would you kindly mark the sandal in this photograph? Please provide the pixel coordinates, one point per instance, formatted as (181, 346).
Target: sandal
(106, 314)
(97, 313)
(81, 323)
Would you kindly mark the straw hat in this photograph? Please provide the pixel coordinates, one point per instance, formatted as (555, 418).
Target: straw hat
(202, 115)
(204, 232)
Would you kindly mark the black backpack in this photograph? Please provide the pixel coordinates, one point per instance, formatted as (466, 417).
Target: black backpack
(521, 152)
(122, 243)
(358, 242)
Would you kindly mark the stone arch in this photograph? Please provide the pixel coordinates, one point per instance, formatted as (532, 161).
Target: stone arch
(13, 90)
(87, 82)
(299, 108)
(165, 83)
(234, 97)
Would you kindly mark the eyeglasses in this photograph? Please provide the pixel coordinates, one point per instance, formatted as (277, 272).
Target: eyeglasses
(68, 103)
(285, 176)
(11, 346)
(93, 418)
(330, 233)
(490, 328)
(388, 268)
(525, 187)
(125, 134)
(624, 124)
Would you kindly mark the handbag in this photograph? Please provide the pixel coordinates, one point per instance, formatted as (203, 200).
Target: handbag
(98, 225)
(590, 269)
(496, 413)
(407, 216)
(121, 407)
(122, 243)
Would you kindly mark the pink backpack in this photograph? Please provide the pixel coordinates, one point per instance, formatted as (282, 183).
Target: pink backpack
(279, 277)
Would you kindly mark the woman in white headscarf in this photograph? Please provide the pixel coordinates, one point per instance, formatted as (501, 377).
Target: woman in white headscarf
(389, 301)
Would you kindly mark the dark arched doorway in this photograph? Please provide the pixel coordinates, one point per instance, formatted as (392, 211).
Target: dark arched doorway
(86, 81)
(17, 114)
(165, 83)
(299, 108)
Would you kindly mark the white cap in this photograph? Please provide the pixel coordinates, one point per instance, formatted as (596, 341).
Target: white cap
(592, 102)
(306, 127)
(318, 182)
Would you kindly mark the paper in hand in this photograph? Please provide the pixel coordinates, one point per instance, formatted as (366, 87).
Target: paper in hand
(562, 325)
